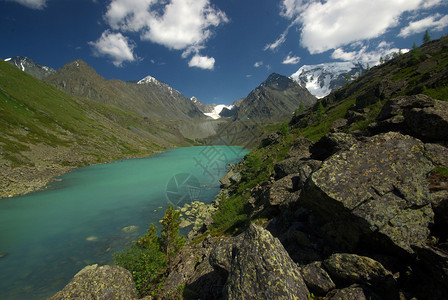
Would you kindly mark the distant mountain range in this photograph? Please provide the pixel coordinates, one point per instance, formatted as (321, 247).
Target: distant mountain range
(275, 99)
(322, 79)
(31, 67)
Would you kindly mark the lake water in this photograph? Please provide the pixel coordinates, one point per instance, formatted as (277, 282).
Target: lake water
(48, 236)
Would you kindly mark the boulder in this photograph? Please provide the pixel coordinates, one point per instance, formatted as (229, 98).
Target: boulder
(429, 122)
(354, 292)
(230, 178)
(221, 255)
(300, 148)
(330, 144)
(425, 117)
(351, 268)
(378, 188)
(262, 269)
(94, 282)
(273, 138)
(317, 279)
(295, 165)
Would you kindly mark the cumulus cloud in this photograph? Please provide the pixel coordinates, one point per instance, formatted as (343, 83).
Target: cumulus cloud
(436, 22)
(291, 60)
(331, 24)
(366, 54)
(258, 64)
(115, 46)
(34, 4)
(202, 62)
(176, 24)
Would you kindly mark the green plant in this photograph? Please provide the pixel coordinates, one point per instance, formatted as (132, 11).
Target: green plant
(150, 258)
(171, 242)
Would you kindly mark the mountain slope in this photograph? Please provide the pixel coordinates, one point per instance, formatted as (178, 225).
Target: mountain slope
(31, 67)
(44, 131)
(274, 100)
(322, 79)
(147, 97)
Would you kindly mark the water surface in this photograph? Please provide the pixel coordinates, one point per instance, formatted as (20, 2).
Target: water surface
(48, 236)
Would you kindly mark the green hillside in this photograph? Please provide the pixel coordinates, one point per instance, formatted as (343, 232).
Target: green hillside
(44, 131)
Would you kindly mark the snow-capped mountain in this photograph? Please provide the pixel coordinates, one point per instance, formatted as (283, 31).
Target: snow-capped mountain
(30, 66)
(322, 79)
(212, 110)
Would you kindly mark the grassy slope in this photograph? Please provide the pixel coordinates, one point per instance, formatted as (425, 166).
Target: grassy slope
(421, 76)
(43, 128)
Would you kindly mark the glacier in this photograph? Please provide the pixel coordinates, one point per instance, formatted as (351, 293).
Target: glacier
(321, 79)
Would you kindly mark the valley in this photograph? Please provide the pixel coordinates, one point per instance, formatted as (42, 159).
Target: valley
(342, 193)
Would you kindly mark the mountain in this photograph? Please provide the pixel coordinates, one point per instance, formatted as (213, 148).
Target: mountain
(31, 67)
(322, 79)
(214, 111)
(45, 131)
(148, 97)
(274, 100)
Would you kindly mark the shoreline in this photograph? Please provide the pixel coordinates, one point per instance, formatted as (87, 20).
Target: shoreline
(23, 180)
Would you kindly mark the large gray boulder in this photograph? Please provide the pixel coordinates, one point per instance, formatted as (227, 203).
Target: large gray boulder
(95, 283)
(262, 269)
(377, 188)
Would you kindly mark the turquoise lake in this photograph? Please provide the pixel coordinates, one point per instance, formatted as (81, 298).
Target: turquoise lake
(48, 236)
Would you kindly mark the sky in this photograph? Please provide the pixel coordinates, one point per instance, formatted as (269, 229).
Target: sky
(215, 50)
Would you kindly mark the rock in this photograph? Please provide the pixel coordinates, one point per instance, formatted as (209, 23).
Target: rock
(221, 255)
(352, 268)
(330, 144)
(94, 282)
(338, 124)
(395, 123)
(3, 254)
(262, 269)
(353, 292)
(317, 279)
(424, 116)
(300, 148)
(378, 187)
(91, 238)
(437, 154)
(295, 165)
(130, 229)
(230, 178)
(273, 138)
(281, 190)
(429, 121)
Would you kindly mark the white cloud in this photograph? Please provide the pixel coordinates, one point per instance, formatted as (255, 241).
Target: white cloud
(278, 42)
(331, 24)
(258, 64)
(336, 23)
(202, 62)
(364, 54)
(436, 22)
(176, 24)
(291, 60)
(115, 46)
(34, 4)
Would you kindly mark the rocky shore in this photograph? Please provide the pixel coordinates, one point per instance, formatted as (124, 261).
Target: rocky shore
(352, 216)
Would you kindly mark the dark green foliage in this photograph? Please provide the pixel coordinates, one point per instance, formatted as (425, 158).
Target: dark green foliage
(284, 129)
(426, 37)
(147, 265)
(320, 112)
(149, 258)
(171, 242)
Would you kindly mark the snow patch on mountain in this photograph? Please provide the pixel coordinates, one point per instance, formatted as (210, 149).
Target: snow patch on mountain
(148, 79)
(217, 110)
(7, 59)
(320, 80)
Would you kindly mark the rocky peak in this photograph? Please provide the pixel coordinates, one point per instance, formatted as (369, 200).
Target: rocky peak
(31, 67)
(277, 81)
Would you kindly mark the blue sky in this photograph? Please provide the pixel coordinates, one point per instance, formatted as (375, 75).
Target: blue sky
(216, 50)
